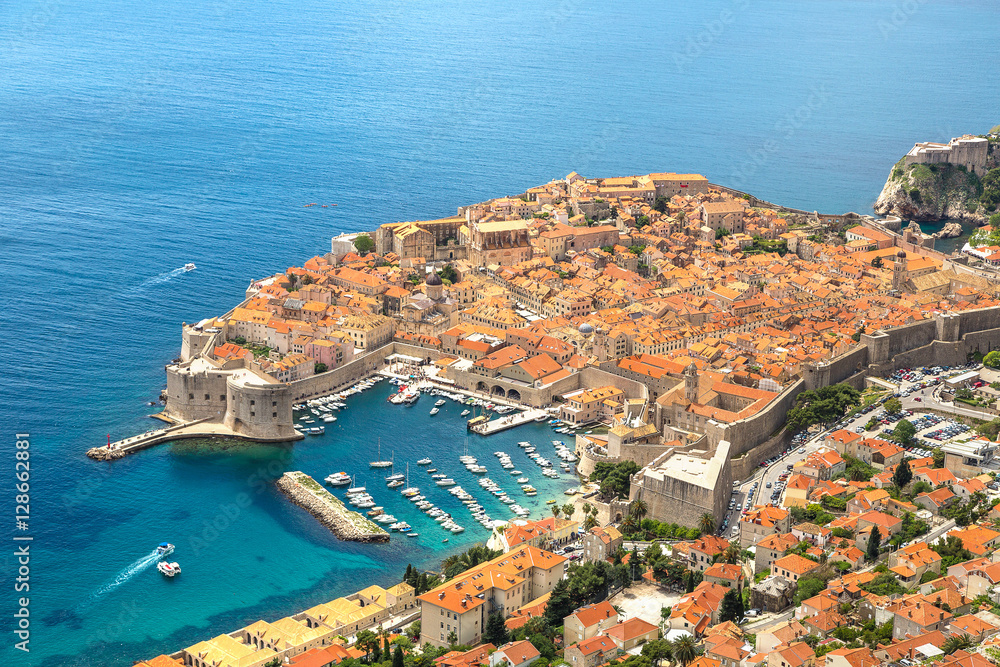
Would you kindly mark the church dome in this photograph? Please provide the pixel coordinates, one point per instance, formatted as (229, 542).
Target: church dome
(901, 254)
(586, 329)
(434, 279)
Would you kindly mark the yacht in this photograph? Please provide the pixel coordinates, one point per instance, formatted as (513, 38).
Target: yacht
(169, 569)
(316, 430)
(355, 490)
(434, 411)
(447, 481)
(164, 548)
(424, 462)
(439, 403)
(397, 476)
(338, 479)
(329, 418)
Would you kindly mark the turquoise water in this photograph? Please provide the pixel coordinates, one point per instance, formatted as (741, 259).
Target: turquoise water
(136, 137)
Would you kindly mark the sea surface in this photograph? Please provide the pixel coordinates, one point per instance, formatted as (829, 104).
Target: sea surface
(138, 136)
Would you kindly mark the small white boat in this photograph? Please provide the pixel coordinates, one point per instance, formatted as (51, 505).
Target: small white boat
(395, 484)
(447, 481)
(168, 569)
(412, 534)
(434, 411)
(316, 430)
(439, 403)
(190, 266)
(329, 418)
(424, 462)
(465, 413)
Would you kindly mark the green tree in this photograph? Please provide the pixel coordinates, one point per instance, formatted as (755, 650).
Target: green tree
(319, 368)
(448, 273)
(544, 645)
(660, 204)
(874, 543)
(397, 656)
(992, 359)
(560, 604)
(707, 523)
(363, 244)
(452, 638)
(731, 608)
(877, 263)
(568, 510)
(368, 642)
(902, 475)
(556, 511)
(496, 630)
(904, 432)
(893, 406)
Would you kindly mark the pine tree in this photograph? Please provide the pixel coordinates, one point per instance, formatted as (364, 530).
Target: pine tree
(397, 657)
(874, 542)
(731, 608)
(496, 630)
(689, 582)
(560, 604)
(902, 475)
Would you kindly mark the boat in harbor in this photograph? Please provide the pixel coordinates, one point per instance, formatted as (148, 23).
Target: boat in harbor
(338, 479)
(168, 569)
(397, 476)
(395, 484)
(439, 403)
(380, 463)
(434, 411)
(424, 462)
(316, 430)
(465, 413)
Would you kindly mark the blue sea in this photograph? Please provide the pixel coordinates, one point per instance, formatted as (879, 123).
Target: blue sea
(138, 136)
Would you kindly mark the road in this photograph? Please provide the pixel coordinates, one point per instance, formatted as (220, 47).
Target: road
(934, 403)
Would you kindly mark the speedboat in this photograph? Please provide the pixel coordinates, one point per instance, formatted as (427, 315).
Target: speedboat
(169, 569)
(439, 403)
(424, 462)
(164, 548)
(397, 476)
(465, 413)
(190, 266)
(434, 411)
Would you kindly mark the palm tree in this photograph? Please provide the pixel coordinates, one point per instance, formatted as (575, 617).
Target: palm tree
(629, 525)
(569, 509)
(732, 554)
(587, 507)
(589, 522)
(556, 510)
(684, 651)
(639, 508)
(707, 523)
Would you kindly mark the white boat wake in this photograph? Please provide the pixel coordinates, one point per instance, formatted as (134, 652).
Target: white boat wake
(159, 279)
(122, 577)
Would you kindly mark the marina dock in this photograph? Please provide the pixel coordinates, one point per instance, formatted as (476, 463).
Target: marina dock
(509, 421)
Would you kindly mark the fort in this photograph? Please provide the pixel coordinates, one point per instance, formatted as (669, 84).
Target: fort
(966, 151)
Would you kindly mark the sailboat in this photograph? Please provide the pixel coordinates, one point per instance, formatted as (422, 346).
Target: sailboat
(380, 463)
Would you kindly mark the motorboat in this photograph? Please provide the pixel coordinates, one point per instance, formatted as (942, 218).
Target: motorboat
(356, 490)
(316, 430)
(424, 462)
(439, 403)
(338, 479)
(434, 411)
(329, 418)
(168, 569)
(412, 534)
(164, 548)
(190, 266)
(523, 480)
(447, 481)
(395, 484)
(397, 476)
(465, 413)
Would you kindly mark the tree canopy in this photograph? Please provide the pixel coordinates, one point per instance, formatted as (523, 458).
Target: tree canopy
(364, 244)
(825, 404)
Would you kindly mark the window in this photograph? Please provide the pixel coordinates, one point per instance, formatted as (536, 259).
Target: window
(274, 414)
(251, 413)
(274, 403)
(252, 402)
(222, 397)
(190, 397)
(208, 397)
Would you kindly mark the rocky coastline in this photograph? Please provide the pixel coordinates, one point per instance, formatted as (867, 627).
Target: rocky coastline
(347, 525)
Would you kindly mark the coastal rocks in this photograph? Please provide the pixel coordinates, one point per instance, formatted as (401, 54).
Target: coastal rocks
(105, 454)
(308, 494)
(930, 196)
(951, 230)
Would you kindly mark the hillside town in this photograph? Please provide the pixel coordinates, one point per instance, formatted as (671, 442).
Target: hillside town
(790, 459)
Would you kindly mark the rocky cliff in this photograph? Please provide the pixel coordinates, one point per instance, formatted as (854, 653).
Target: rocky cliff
(933, 192)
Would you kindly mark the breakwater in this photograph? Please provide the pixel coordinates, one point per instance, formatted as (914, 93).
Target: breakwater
(346, 524)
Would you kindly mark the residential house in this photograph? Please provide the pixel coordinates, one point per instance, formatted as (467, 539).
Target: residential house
(588, 621)
(515, 654)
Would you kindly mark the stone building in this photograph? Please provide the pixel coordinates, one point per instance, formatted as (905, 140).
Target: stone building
(502, 243)
(682, 484)
(968, 151)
